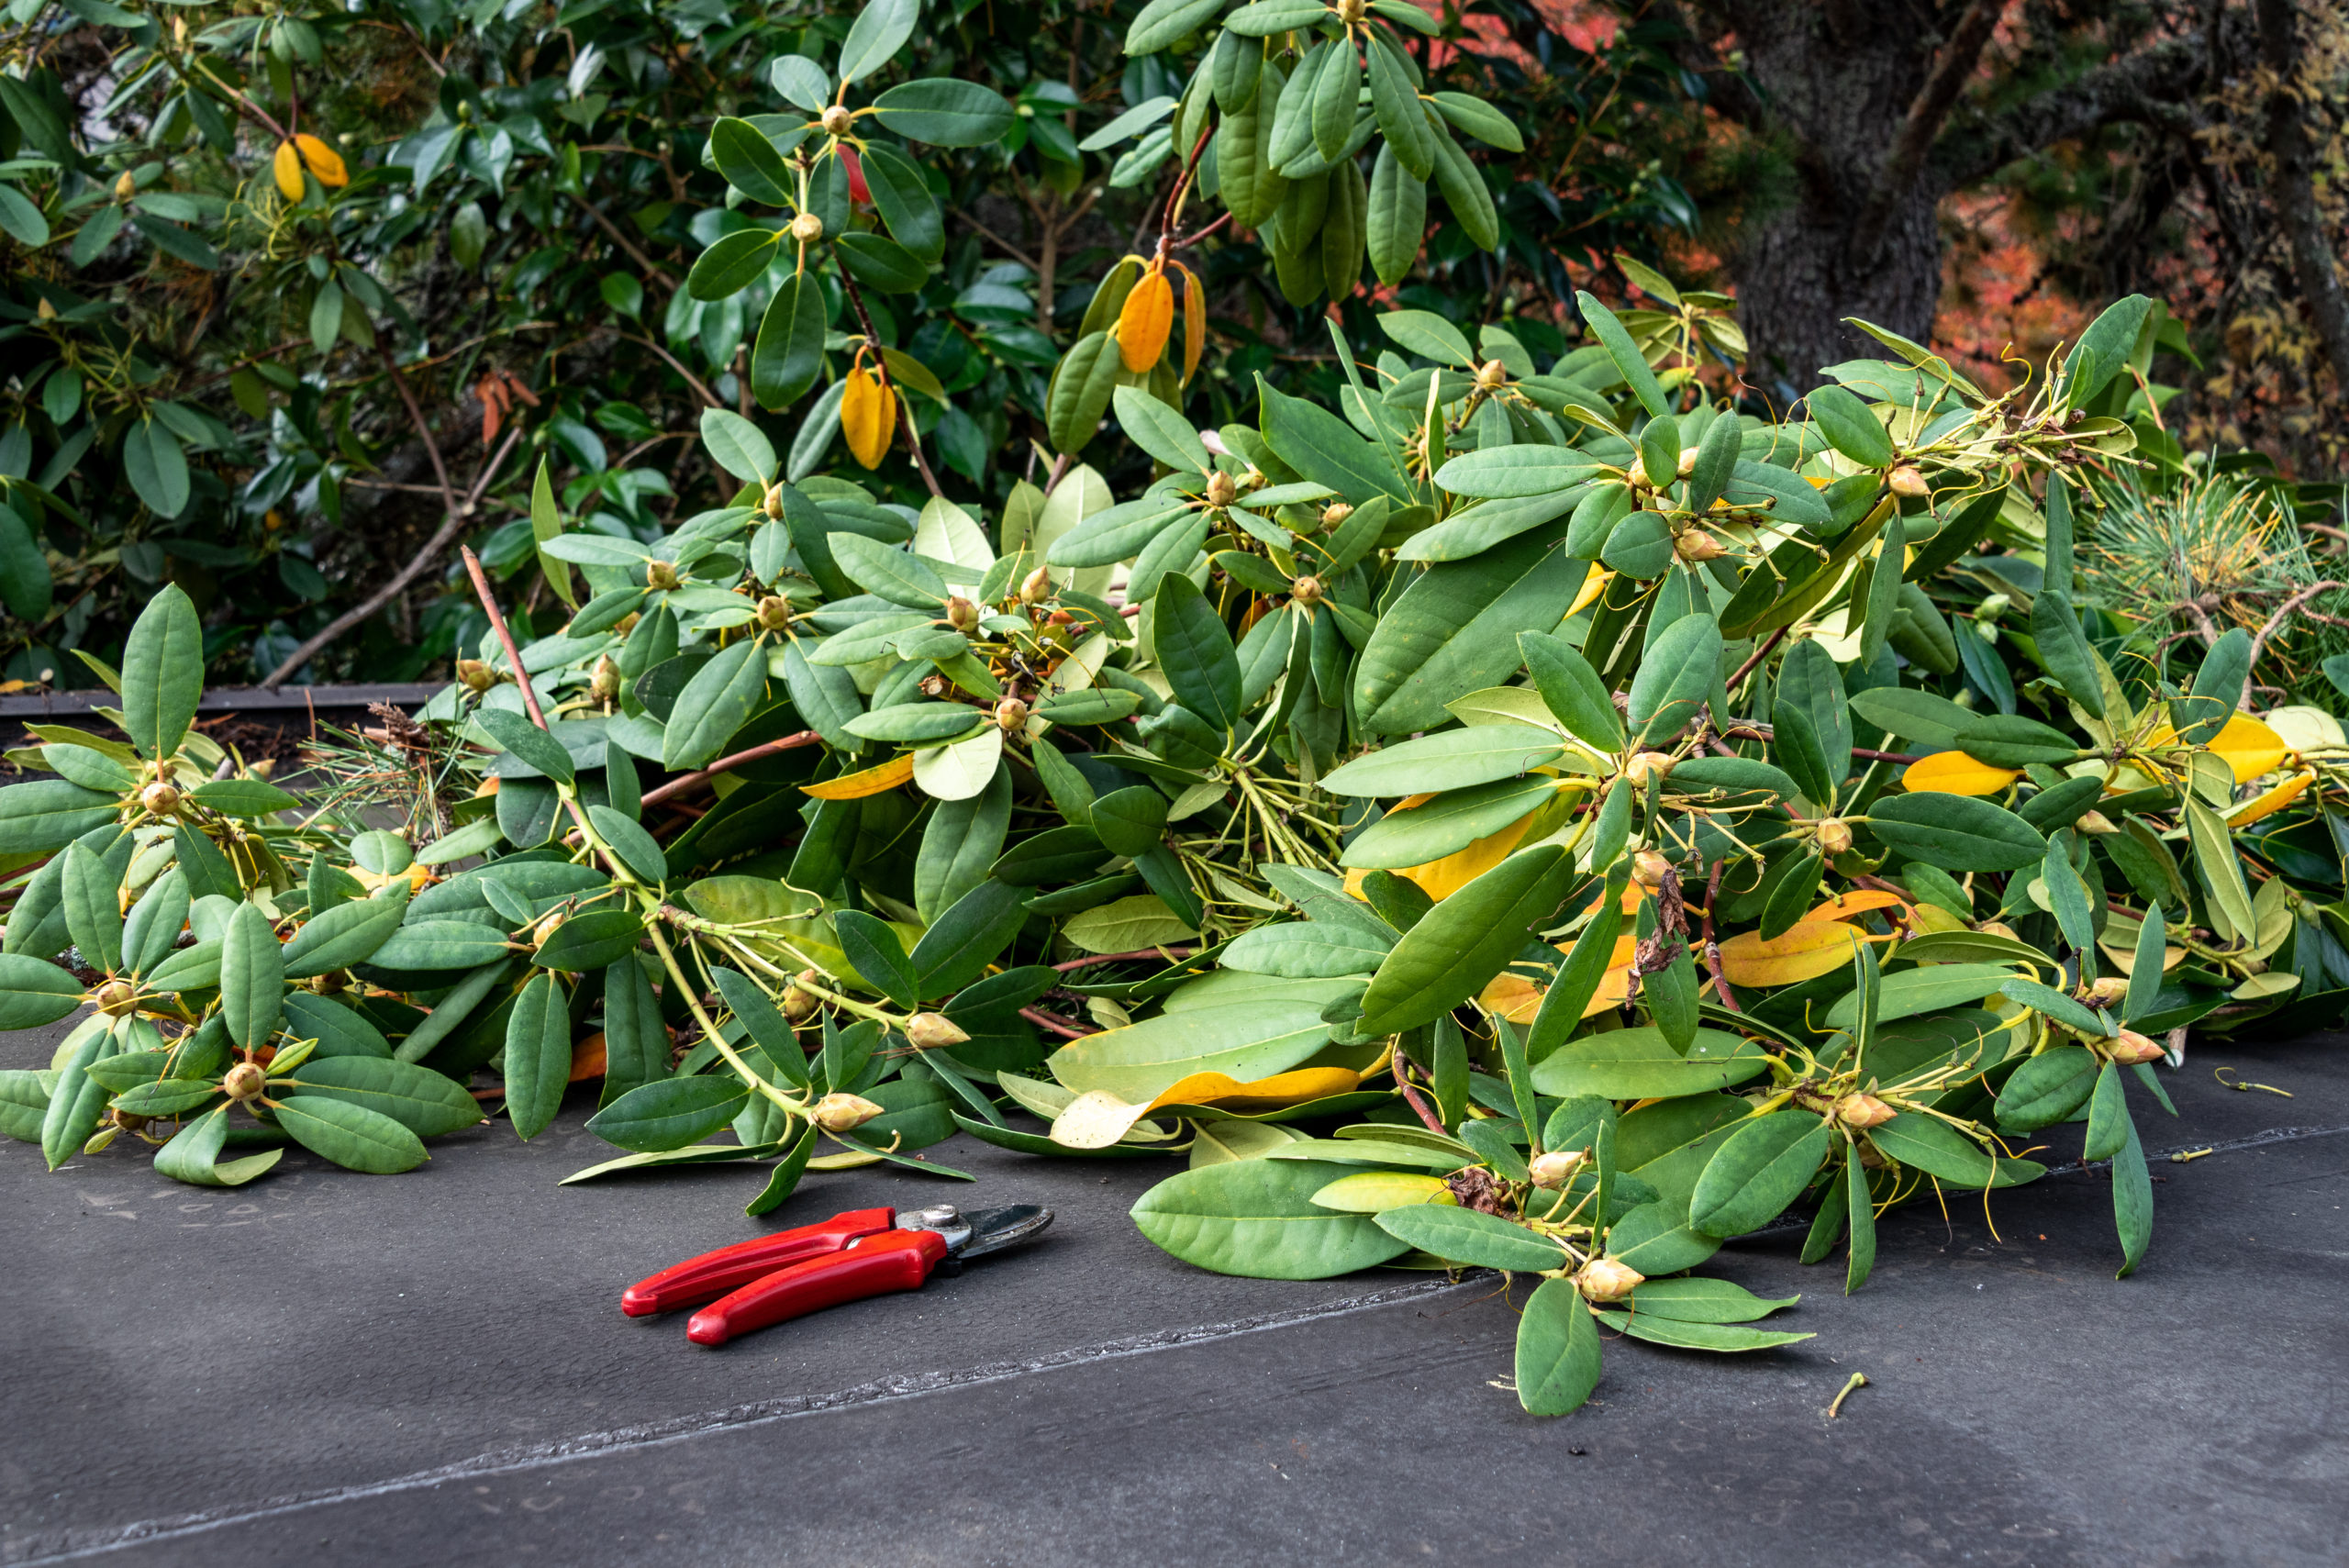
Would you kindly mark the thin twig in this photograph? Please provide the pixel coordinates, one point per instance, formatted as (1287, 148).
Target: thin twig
(2275, 622)
(1402, 1068)
(652, 267)
(1712, 943)
(888, 387)
(700, 390)
(1060, 1026)
(504, 636)
(1758, 655)
(1123, 956)
(677, 786)
(1000, 243)
(458, 514)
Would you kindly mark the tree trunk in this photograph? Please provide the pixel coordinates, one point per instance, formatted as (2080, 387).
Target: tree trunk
(1839, 82)
(2294, 193)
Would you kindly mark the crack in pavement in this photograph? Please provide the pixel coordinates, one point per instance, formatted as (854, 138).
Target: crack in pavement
(71, 1543)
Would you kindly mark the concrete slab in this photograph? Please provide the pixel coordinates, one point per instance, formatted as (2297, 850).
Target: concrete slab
(328, 1367)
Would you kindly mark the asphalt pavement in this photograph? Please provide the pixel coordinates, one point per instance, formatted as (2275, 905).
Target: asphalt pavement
(329, 1367)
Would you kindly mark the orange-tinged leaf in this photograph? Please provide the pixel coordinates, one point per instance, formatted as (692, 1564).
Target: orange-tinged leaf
(1195, 323)
(1804, 950)
(1954, 772)
(872, 781)
(286, 165)
(1145, 322)
(1280, 1090)
(868, 417)
(1511, 997)
(1517, 999)
(1856, 901)
(324, 161)
(587, 1058)
(2272, 802)
(1613, 986)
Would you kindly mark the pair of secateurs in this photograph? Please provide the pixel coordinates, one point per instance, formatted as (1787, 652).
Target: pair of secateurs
(866, 1251)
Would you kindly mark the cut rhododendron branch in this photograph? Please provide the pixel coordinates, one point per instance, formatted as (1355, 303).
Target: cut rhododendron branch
(693, 781)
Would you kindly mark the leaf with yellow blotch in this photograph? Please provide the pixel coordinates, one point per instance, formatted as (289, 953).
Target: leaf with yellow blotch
(2272, 801)
(1098, 1118)
(1954, 772)
(872, 781)
(286, 164)
(324, 161)
(1804, 950)
(1375, 1191)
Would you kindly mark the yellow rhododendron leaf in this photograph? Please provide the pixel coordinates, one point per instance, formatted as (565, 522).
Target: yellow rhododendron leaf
(868, 417)
(2249, 748)
(1375, 1191)
(1517, 999)
(1804, 950)
(1282, 1089)
(2272, 802)
(872, 781)
(1593, 585)
(1440, 879)
(286, 165)
(324, 161)
(1856, 901)
(1145, 322)
(1194, 322)
(1511, 997)
(1954, 772)
(1613, 986)
(1097, 1119)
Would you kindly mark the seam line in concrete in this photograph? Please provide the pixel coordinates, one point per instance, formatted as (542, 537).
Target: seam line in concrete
(73, 1545)
(69, 1544)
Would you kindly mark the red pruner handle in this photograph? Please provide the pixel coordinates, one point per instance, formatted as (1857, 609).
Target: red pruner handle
(900, 1260)
(712, 1274)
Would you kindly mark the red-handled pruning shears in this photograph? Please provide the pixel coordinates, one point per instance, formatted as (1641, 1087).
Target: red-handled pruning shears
(866, 1251)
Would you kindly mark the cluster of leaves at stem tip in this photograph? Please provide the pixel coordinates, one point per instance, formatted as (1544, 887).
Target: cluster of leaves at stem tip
(251, 260)
(1537, 816)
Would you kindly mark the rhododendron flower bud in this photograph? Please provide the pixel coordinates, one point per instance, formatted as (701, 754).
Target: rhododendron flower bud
(1862, 1111)
(1555, 1170)
(1644, 763)
(929, 1030)
(843, 1112)
(1604, 1280)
